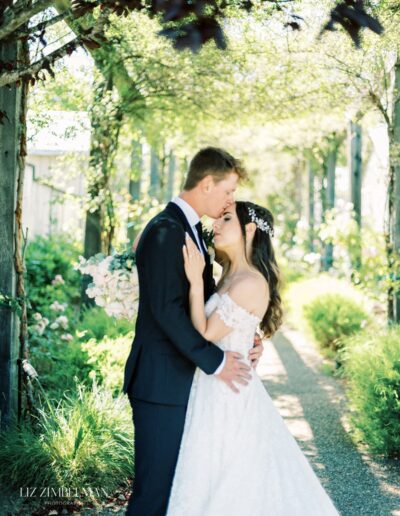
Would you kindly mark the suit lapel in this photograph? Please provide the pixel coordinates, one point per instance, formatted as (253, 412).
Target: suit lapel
(174, 209)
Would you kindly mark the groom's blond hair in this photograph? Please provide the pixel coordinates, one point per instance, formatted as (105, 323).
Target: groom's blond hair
(215, 162)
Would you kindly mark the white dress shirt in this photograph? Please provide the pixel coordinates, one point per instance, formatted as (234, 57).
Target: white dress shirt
(193, 218)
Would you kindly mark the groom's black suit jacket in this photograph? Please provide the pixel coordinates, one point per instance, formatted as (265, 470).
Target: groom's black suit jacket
(167, 348)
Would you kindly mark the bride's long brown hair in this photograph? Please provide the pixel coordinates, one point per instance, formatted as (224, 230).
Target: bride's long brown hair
(263, 259)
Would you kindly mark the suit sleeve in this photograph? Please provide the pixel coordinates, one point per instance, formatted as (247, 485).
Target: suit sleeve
(166, 284)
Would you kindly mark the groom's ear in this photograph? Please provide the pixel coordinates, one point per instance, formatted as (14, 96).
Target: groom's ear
(207, 183)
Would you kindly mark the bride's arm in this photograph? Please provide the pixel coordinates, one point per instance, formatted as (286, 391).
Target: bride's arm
(212, 328)
(194, 266)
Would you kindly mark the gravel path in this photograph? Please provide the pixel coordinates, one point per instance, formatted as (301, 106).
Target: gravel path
(313, 405)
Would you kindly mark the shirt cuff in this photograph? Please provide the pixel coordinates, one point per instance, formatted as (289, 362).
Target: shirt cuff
(221, 366)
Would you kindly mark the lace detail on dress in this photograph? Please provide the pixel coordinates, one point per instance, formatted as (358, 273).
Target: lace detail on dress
(234, 315)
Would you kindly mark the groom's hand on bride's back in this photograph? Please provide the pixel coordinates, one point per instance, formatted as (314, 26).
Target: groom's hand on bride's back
(234, 370)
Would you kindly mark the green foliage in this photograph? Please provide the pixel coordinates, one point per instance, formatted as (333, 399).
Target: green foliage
(305, 291)
(289, 274)
(50, 275)
(97, 324)
(53, 288)
(107, 359)
(13, 303)
(332, 317)
(69, 90)
(100, 349)
(372, 367)
(58, 364)
(56, 354)
(83, 441)
(142, 210)
(341, 230)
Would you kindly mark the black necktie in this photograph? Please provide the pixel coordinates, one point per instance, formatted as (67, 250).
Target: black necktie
(199, 229)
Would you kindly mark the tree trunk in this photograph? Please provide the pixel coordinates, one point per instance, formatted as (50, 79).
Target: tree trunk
(298, 183)
(330, 164)
(171, 176)
(184, 171)
(106, 120)
(154, 190)
(311, 205)
(355, 164)
(10, 103)
(135, 183)
(394, 196)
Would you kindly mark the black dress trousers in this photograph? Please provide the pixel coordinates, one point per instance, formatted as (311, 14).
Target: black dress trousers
(158, 434)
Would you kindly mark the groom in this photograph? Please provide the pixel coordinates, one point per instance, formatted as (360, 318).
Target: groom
(167, 348)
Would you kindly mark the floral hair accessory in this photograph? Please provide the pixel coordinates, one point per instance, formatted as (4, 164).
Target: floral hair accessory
(260, 223)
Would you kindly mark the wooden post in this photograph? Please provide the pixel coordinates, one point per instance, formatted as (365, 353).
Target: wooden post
(330, 196)
(298, 183)
(184, 171)
(154, 190)
(355, 166)
(311, 205)
(135, 180)
(10, 104)
(171, 176)
(394, 152)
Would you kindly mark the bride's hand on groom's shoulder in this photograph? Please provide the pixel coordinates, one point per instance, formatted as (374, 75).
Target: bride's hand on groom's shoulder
(194, 262)
(234, 370)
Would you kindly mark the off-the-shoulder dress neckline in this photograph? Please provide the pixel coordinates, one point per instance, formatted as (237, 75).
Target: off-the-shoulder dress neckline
(226, 294)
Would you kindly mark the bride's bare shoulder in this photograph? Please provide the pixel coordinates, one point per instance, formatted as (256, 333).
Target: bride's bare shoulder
(250, 290)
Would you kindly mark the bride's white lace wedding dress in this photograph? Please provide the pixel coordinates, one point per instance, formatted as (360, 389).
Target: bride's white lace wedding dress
(237, 457)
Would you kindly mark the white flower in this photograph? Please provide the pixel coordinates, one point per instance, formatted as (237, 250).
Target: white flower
(41, 325)
(54, 326)
(116, 291)
(39, 328)
(59, 307)
(58, 280)
(62, 321)
(66, 336)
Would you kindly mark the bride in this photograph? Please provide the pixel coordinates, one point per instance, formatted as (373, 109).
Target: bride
(237, 457)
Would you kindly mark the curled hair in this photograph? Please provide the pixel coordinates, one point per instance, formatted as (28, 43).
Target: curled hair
(263, 259)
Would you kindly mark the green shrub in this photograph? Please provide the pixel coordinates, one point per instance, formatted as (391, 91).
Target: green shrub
(58, 364)
(332, 317)
(96, 324)
(372, 367)
(84, 441)
(107, 360)
(48, 258)
(305, 291)
(53, 290)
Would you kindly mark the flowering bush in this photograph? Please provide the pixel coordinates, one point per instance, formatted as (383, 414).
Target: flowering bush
(53, 291)
(50, 278)
(41, 327)
(115, 283)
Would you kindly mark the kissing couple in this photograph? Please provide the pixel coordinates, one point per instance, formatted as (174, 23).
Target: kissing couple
(208, 438)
